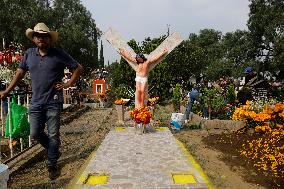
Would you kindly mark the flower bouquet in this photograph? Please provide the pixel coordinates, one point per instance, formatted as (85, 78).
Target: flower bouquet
(119, 102)
(141, 116)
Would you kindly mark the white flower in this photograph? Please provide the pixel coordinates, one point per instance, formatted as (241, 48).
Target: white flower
(6, 75)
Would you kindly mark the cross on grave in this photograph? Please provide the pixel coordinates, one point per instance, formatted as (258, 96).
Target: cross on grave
(145, 64)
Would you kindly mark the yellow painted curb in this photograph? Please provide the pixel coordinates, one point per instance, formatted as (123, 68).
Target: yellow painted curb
(94, 180)
(183, 178)
(162, 129)
(120, 128)
(196, 165)
(79, 176)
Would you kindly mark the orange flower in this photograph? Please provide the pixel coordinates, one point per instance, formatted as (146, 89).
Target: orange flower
(278, 126)
(141, 115)
(14, 142)
(267, 110)
(281, 114)
(119, 102)
(153, 101)
(258, 129)
(278, 107)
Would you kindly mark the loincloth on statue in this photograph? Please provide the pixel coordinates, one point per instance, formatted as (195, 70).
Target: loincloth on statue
(141, 79)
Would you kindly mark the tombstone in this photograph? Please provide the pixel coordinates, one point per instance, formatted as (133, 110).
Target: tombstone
(4, 176)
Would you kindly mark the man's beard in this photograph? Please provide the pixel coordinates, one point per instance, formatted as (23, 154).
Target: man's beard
(43, 46)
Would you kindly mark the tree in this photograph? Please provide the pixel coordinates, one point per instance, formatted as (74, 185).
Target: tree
(186, 60)
(16, 16)
(266, 26)
(209, 40)
(194, 55)
(77, 30)
(177, 97)
(102, 59)
(235, 57)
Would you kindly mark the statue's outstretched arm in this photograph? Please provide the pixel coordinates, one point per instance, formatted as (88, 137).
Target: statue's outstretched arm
(159, 57)
(127, 56)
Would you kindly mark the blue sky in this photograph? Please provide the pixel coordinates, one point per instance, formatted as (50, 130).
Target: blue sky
(138, 19)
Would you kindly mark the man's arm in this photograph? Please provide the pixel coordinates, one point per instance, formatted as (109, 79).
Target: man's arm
(159, 57)
(127, 56)
(18, 77)
(71, 82)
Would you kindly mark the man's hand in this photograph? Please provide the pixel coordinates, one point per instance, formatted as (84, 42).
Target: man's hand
(61, 85)
(3, 94)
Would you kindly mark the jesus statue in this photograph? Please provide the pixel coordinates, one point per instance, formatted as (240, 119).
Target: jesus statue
(142, 72)
(140, 63)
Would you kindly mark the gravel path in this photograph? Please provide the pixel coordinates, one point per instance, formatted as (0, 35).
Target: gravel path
(79, 138)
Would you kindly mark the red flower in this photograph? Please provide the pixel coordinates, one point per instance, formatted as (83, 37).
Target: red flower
(147, 120)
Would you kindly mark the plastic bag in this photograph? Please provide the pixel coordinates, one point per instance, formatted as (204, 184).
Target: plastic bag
(19, 121)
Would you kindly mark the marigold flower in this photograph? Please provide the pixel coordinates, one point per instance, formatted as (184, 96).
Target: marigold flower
(119, 102)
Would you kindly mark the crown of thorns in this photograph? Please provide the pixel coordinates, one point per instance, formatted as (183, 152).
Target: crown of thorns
(140, 55)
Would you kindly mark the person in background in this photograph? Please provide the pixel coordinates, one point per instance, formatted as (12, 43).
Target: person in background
(249, 74)
(194, 96)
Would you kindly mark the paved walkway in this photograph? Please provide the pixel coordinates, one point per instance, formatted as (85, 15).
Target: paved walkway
(126, 159)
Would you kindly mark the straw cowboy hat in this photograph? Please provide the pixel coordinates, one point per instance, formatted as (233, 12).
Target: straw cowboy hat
(42, 28)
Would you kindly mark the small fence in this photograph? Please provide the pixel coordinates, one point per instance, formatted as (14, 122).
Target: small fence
(5, 109)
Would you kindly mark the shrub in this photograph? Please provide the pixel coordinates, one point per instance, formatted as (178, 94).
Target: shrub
(177, 97)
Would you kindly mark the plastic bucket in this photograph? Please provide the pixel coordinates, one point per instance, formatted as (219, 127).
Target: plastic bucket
(178, 117)
(4, 176)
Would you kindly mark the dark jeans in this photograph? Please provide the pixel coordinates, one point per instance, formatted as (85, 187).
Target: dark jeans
(193, 98)
(50, 114)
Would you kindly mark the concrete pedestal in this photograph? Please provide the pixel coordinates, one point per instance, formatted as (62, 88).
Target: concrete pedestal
(120, 113)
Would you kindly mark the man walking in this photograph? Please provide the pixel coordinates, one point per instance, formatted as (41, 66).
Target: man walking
(46, 65)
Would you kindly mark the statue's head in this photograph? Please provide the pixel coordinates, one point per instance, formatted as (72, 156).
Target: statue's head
(140, 58)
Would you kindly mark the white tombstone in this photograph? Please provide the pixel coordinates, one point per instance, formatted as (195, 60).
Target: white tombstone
(4, 176)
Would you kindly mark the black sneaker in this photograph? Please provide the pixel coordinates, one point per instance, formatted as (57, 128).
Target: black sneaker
(54, 172)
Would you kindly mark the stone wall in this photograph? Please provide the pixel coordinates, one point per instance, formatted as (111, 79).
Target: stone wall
(228, 125)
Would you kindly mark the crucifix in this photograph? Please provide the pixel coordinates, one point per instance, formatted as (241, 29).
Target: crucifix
(142, 64)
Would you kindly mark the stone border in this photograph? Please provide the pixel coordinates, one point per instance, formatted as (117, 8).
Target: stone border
(228, 125)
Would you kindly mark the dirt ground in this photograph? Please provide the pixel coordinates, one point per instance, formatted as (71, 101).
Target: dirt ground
(78, 140)
(219, 159)
(223, 169)
(220, 162)
(234, 142)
